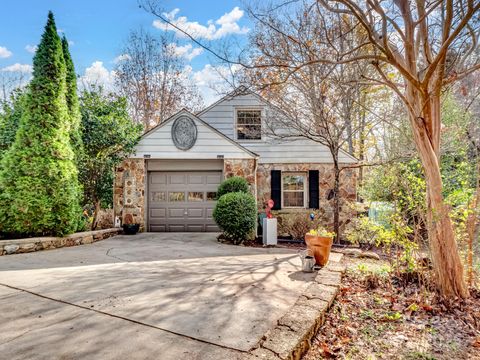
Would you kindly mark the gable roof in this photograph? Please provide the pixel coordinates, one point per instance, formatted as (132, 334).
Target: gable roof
(243, 90)
(201, 122)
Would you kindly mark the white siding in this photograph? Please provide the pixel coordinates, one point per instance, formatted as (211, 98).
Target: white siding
(221, 116)
(294, 151)
(159, 144)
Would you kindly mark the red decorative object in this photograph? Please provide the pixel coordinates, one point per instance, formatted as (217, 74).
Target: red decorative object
(268, 209)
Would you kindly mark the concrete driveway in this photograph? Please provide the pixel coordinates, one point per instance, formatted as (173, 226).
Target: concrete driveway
(148, 296)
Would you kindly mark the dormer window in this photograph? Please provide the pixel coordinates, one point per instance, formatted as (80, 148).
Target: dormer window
(249, 124)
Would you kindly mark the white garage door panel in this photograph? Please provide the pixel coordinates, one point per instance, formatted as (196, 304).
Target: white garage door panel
(182, 201)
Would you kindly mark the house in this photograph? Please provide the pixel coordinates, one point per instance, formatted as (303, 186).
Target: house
(170, 183)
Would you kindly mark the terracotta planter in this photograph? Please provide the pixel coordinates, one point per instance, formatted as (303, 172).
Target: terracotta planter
(320, 247)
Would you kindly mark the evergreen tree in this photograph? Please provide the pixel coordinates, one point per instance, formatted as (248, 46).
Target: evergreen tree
(10, 115)
(72, 102)
(39, 187)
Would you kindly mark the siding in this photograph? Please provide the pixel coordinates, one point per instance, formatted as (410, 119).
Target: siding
(159, 144)
(297, 151)
(221, 116)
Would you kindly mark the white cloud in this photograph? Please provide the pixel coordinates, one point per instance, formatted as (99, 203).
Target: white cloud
(4, 52)
(21, 68)
(31, 48)
(223, 26)
(97, 74)
(121, 58)
(71, 42)
(213, 81)
(186, 51)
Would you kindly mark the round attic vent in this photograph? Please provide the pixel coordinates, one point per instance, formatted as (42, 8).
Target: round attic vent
(184, 133)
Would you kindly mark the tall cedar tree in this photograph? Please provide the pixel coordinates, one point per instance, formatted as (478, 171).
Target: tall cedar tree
(39, 188)
(72, 102)
(10, 116)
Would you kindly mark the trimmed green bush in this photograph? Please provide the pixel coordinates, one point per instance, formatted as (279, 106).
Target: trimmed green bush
(235, 214)
(39, 187)
(232, 184)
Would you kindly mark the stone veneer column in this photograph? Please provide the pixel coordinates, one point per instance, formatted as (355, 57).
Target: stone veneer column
(245, 168)
(129, 191)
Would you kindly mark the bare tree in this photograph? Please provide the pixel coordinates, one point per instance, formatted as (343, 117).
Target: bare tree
(10, 81)
(319, 100)
(430, 45)
(153, 78)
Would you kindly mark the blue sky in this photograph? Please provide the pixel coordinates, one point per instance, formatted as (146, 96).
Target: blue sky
(96, 30)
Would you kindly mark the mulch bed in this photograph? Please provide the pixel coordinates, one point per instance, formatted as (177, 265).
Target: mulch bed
(380, 316)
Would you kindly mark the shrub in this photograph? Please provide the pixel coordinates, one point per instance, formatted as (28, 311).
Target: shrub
(235, 213)
(233, 184)
(297, 224)
(395, 235)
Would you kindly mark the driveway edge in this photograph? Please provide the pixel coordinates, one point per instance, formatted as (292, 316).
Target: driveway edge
(291, 338)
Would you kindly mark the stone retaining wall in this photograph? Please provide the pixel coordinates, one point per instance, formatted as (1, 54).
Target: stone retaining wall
(291, 338)
(18, 246)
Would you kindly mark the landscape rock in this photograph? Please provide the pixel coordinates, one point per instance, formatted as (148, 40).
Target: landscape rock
(27, 247)
(11, 249)
(370, 255)
(352, 252)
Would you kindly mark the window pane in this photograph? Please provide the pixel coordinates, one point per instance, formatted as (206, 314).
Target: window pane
(211, 195)
(293, 198)
(293, 182)
(176, 196)
(249, 124)
(158, 196)
(195, 196)
(249, 132)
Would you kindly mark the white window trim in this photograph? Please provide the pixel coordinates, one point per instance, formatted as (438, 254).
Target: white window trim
(250, 108)
(305, 189)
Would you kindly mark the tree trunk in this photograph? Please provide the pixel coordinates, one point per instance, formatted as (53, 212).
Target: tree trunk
(446, 260)
(96, 210)
(336, 200)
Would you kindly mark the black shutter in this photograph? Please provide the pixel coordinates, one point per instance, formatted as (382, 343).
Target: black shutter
(313, 189)
(276, 187)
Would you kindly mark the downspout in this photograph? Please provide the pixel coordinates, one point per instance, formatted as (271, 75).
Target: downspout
(255, 168)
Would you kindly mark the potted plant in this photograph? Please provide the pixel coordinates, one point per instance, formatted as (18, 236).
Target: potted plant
(129, 226)
(319, 242)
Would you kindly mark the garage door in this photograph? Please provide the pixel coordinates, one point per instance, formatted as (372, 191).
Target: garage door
(182, 201)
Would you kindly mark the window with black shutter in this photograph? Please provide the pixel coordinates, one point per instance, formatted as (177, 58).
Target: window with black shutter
(276, 188)
(313, 189)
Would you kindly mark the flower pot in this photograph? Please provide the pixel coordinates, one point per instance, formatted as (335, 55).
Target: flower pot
(320, 246)
(130, 229)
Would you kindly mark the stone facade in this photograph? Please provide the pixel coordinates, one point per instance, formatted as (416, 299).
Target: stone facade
(18, 246)
(105, 219)
(129, 191)
(348, 193)
(245, 168)
(130, 177)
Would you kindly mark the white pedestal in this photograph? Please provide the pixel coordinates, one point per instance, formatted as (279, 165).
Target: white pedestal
(269, 231)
